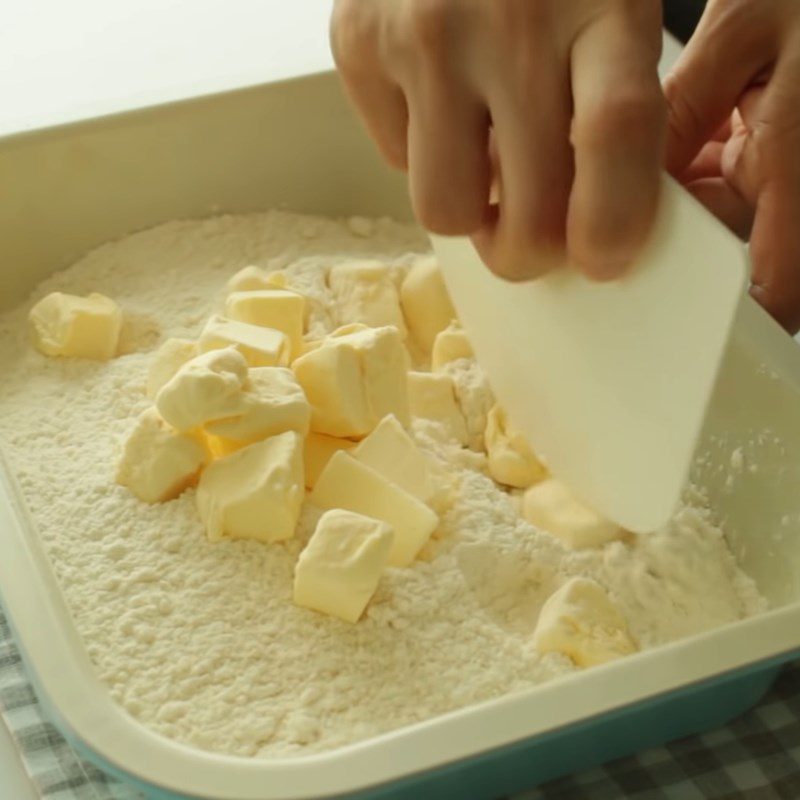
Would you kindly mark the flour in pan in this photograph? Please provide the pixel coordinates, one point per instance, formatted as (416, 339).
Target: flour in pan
(200, 641)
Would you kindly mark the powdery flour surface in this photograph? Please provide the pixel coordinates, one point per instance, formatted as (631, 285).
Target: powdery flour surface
(200, 641)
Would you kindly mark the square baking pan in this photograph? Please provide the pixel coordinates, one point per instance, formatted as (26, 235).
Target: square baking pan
(296, 144)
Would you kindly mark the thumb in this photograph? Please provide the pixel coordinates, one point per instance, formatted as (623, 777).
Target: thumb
(729, 50)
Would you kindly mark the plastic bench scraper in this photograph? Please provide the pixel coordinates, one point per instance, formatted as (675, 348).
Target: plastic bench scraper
(610, 382)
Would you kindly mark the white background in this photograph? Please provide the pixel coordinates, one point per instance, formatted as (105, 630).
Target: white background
(67, 59)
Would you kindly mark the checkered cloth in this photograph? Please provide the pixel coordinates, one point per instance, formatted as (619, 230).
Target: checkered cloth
(756, 757)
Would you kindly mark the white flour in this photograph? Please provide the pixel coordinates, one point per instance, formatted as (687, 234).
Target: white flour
(200, 641)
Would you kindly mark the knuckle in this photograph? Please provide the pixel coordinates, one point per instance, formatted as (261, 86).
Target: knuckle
(630, 114)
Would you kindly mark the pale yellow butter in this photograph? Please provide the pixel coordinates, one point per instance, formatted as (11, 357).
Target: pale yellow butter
(580, 621)
(349, 484)
(383, 359)
(390, 451)
(271, 402)
(334, 385)
(425, 301)
(317, 452)
(432, 395)
(510, 459)
(261, 347)
(339, 569)
(254, 493)
(550, 505)
(167, 360)
(353, 379)
(157, 462)
(450, 345)
(280, 309)
(253, 278)
(208, 387)
(81, 327)
(365, 292)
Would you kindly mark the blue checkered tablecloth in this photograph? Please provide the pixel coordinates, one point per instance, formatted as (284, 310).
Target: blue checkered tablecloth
(756, 757)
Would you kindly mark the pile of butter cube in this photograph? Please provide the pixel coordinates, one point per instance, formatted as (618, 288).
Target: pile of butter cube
(256, 414)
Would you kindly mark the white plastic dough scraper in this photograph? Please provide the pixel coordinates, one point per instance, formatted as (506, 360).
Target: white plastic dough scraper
(610, 382)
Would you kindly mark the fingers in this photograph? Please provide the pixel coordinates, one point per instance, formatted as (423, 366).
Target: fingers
(379, 100)
(770, 164)
(530, 108)
(448, 156)
(717, 195)
(733, 43)
(618, 135)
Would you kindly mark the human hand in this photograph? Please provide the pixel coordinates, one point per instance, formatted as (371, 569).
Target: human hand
(559, 102)
(734, 136)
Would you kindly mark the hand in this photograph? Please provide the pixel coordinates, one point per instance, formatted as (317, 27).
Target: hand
(734, 136)
(558, 101)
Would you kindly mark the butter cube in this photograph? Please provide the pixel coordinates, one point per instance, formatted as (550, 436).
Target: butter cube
(432, 395)
(261, 347)
(157, 462)
(334, 385)
(390, 451)
(167, 360)
(364, 292)
(317, 452)
(271, 402)
(510, 460)
(550, 505)
(206, 388)
(349, 484)
(254, 493)
(426, 303)
(81, 327)
(280, 309)
(450, 345)
(254, 278)
(580, 621)
(383, 360)
(353, 379)
(339, 569)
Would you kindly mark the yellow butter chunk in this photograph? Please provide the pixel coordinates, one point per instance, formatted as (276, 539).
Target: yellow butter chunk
(271, 402)
(390, 451)
(353, 379)
(450, 345)
(261, 347)
(384, 367)
(334, 385)
(432, 395)
(349, 484)
(167, 360)
(208, 387)
(157, 462)
(339, 569)
(365, 292)
(252, 278)
(425, 301)
(510, 460)
(280, 309)
(580, 621)
(550, 505)
(254, 493)
(317, 452)
(81, 327)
